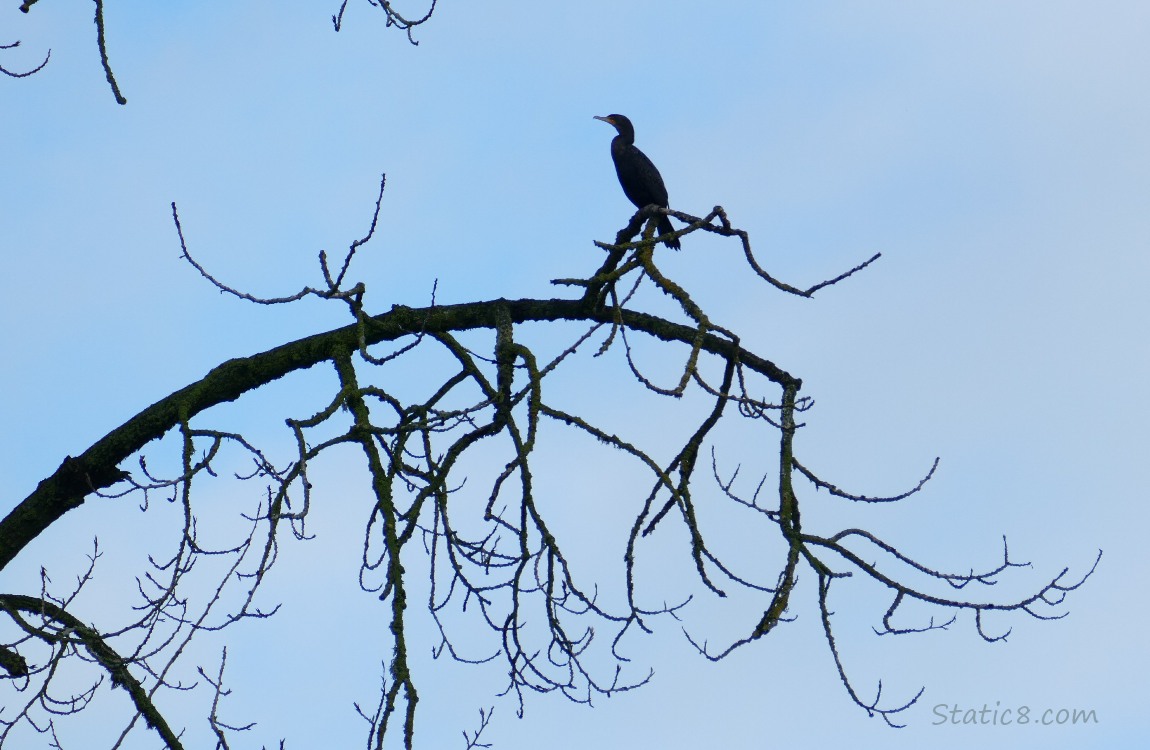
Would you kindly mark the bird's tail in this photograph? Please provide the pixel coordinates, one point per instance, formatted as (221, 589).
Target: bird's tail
(666, 228)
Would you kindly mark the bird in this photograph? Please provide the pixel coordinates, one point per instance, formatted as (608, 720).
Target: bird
(640, 179)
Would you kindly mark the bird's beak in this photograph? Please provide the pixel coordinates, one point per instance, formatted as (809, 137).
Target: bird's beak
(607, 120)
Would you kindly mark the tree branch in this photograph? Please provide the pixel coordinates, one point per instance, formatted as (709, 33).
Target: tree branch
(98, 466)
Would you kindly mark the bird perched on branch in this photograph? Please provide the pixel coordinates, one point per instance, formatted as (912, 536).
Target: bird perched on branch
(640, 179)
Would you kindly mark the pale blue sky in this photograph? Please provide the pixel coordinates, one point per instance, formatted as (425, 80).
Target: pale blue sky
(995, 153)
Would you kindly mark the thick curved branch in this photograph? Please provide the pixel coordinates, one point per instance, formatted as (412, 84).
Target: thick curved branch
(98, 466)
(105, 655)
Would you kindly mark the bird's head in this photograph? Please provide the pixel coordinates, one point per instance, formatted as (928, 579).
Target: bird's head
(621, 124)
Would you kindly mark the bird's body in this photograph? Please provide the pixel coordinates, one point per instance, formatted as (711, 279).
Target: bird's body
(641, 181)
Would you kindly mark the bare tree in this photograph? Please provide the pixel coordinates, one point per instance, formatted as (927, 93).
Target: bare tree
(469, 533)
(498, 564)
